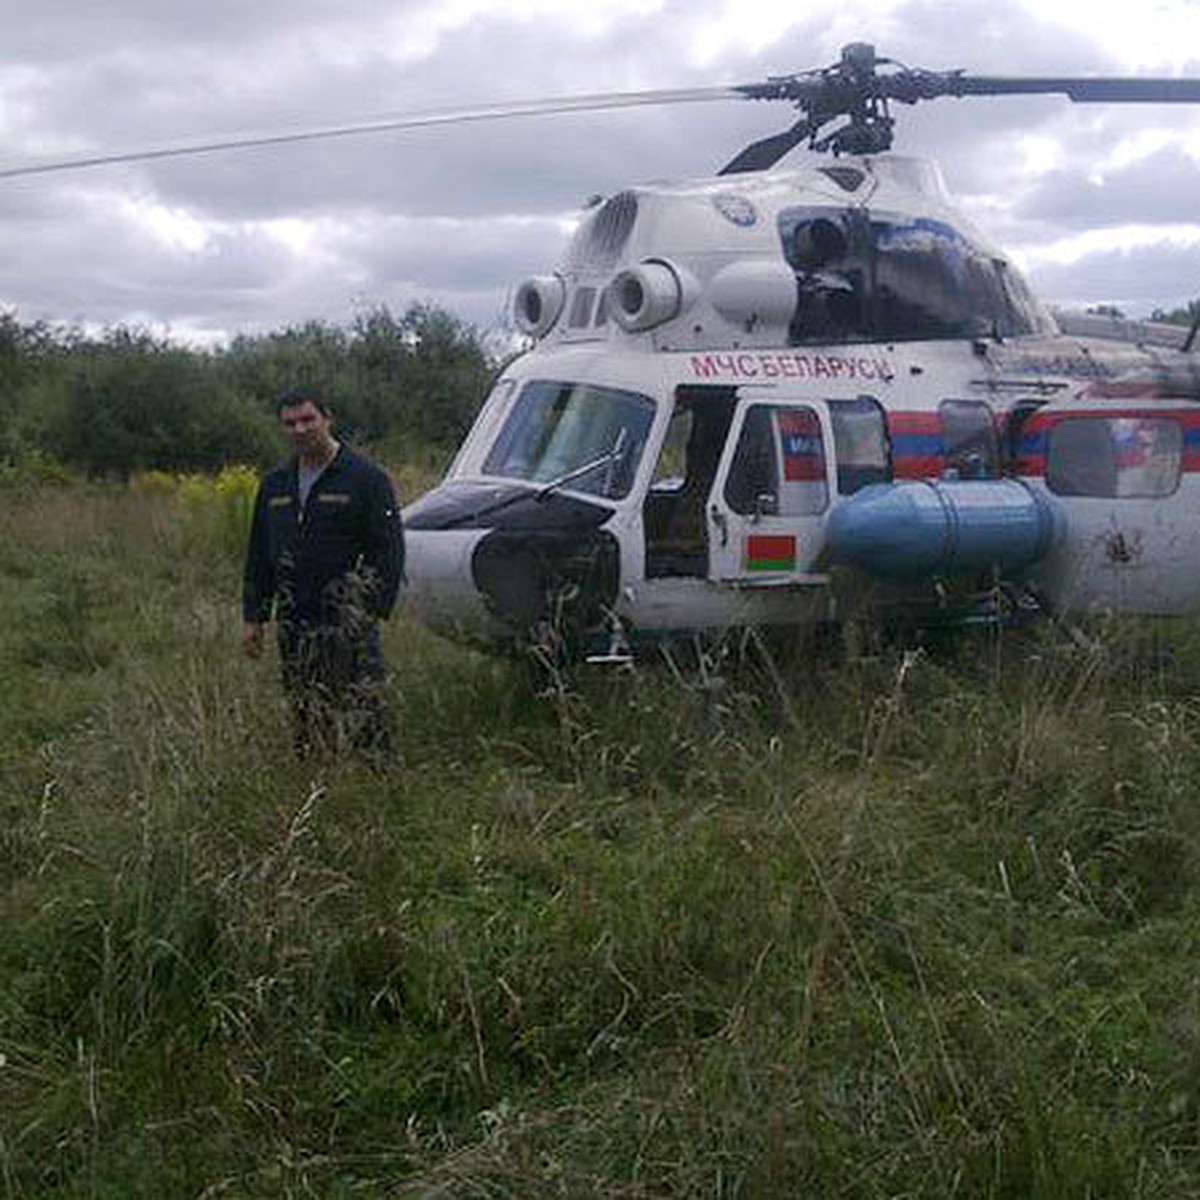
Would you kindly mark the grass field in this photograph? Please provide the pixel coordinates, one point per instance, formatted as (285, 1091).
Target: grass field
(880, 924)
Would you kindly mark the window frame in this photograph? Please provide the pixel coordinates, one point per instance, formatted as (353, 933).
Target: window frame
(842, 467)
(737, 502)
(514, 431)
(1054, 470)
(993, 466)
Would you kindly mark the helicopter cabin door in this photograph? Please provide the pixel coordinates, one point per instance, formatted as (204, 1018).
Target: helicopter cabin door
(767, 508)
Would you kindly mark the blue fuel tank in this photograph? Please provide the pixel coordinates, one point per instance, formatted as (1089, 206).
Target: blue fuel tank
(943, 525)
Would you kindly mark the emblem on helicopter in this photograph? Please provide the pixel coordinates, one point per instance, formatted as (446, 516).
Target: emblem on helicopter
(735, 209)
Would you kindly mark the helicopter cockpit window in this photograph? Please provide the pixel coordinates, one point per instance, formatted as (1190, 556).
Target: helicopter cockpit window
(1114, 457)
(590, 438)
(778, 468)
(866, 275)
(969, 442)
(931, 282)
(860, 444)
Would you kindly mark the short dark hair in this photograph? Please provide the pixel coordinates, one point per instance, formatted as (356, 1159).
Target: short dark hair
(304, 393)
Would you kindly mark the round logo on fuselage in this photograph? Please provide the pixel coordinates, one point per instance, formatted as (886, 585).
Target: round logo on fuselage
(735, 208)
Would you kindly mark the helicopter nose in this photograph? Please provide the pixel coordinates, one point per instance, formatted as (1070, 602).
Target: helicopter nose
(508, 567)
(440, 586)
(549, 579)
(505, 588)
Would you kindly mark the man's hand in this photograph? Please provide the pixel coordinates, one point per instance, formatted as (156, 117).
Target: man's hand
(253, 634)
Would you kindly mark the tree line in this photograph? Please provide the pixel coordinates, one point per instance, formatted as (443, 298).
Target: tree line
(126, 400)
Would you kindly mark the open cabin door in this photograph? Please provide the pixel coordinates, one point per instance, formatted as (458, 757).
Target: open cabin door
(770, 497)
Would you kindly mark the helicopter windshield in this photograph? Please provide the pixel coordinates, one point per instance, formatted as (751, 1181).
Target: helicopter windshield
(556, 431)
(871, 276)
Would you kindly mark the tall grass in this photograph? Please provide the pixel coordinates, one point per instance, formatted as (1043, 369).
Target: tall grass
(914, 922)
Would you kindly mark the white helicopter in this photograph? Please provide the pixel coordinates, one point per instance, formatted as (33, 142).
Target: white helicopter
(744, 389)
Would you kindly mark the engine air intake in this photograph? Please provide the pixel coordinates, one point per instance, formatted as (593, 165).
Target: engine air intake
(653, 292)
(538, 304)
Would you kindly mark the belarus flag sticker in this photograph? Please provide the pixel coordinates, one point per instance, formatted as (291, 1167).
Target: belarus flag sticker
(771, 552)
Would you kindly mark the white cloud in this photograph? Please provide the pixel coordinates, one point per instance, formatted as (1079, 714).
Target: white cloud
(175, 229)
(1151, 34)
(1067, 251)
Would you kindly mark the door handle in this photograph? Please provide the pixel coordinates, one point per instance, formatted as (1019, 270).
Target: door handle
(722, 525)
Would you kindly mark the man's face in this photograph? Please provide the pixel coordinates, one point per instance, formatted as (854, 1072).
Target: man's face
(306, 427)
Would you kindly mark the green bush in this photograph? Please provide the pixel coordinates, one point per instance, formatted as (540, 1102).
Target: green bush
(136, 405)
(127, 402)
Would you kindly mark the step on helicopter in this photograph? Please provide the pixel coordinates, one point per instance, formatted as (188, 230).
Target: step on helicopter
(751, 399)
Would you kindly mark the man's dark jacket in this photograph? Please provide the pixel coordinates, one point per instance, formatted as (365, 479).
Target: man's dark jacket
(327, 563)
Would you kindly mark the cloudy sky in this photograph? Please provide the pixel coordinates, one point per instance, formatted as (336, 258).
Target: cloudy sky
(1100, 204)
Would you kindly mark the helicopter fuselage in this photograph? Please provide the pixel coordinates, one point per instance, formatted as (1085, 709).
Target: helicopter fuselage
(744, 393)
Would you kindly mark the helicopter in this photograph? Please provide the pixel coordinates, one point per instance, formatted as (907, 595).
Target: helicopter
(751, 399)
(754, 399)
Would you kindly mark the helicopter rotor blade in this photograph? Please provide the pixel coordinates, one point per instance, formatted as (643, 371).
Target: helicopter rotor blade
(910, 86)
(852, 88)
(414, 120)
(765, 153)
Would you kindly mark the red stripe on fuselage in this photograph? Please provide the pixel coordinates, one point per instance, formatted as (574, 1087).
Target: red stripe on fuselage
(916, 466)
(1041, 421)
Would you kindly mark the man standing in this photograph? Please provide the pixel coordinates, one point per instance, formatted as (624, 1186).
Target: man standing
(325, 557)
